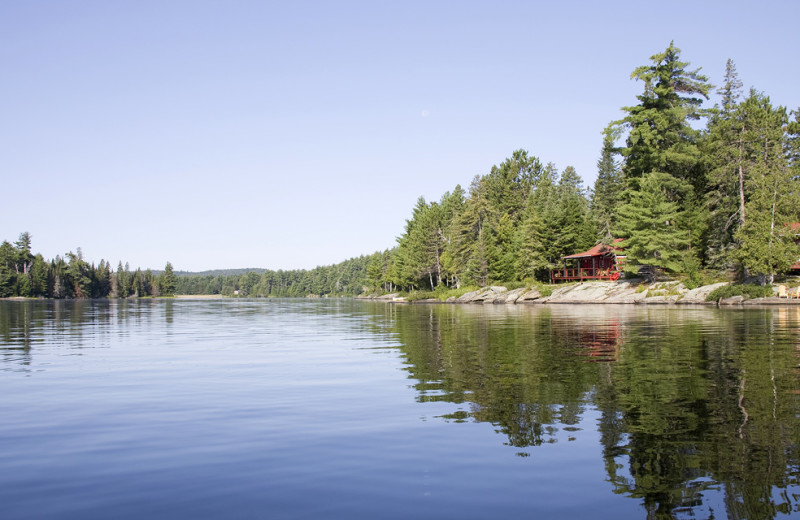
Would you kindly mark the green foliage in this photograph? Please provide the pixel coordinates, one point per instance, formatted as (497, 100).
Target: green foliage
(538, 251)
(660, 137)
(24, 274)
(607, 187)
(683, 200)
(168, 281)
(766, 246)
(746, 290)
(694, 275)
(649, 221)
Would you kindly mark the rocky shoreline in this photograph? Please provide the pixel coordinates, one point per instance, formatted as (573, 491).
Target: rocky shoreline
(618, 292)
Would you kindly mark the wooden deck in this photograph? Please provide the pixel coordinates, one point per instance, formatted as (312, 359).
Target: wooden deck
(572, 275)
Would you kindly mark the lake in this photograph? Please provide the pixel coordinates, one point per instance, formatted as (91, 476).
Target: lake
(305, 409)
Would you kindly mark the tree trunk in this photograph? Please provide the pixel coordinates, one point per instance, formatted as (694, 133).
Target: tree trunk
(741, 180)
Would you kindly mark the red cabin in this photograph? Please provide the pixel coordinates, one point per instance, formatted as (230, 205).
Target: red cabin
(602, 262)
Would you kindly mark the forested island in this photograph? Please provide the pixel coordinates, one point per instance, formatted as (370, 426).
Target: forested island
(693, 191)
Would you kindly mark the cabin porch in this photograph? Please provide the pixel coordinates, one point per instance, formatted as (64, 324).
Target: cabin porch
(598, 263)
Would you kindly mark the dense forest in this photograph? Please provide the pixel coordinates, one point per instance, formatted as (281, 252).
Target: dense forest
(343, 279)
(688, 188)
(24, 274)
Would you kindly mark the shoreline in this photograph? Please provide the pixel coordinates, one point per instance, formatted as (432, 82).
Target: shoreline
(622, 292)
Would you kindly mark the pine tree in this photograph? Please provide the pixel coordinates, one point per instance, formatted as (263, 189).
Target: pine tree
(78, 275)
(660, 137)
(648, 220)
(23, 265)
(766, 246)
(501, 251)
(538, 249)
(661, 140)
(8, 278)
(471, 230)
(731, 89)
(575, 233)
(607, 187)
(168, 283)
(723, 148)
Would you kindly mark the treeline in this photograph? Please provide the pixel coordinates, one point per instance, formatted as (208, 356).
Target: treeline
(683, 196)
(347, 278)
(24, 274)
(687, 188)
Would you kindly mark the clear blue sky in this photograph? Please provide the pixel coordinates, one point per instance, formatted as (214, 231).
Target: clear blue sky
(221, 134)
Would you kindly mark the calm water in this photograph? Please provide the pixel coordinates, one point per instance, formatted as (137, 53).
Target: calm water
(345, 409)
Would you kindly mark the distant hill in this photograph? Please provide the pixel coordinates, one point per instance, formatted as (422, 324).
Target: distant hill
(222, 272)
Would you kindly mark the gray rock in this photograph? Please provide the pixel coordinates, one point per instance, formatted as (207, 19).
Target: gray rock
(529, 296)
(467, 297)
(655, 300)
(700, 294)
(489, 295)
(512, 296)
(733, 300)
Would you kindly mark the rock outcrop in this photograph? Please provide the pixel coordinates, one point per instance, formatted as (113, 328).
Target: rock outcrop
(621, 292)
(700, 294)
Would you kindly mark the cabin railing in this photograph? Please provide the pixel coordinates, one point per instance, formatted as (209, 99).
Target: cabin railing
(572, 274)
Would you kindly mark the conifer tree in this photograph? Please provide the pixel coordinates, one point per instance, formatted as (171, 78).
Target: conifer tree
(574, 232)
(168, 282)
(766, 245)
(607, 187)
(660, 137)
(8, 280)
(502, 251)
(724, 150)
(538, 250)
(472, 228)
(662, 141)
(648, 220)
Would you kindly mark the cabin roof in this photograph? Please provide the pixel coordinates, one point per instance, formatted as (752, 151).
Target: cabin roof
(598, 250)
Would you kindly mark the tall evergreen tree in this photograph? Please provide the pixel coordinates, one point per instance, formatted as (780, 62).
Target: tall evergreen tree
(472, 229)
(649, 219)
(168, 283)
(662, 140)
(8, 278)
(607, 186)
(724, 150)
(660, 137)
(538, 249)
(575, 233)
(766, 246)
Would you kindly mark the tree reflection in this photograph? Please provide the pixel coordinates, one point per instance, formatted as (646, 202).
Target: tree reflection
(692, 403)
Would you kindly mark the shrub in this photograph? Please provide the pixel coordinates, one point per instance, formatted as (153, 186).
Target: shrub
(748, 291)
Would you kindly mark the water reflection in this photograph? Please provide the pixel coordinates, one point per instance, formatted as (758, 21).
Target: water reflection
(697, 406)
(695, 411)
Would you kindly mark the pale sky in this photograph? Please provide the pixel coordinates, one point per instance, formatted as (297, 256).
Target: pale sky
(227, 134)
